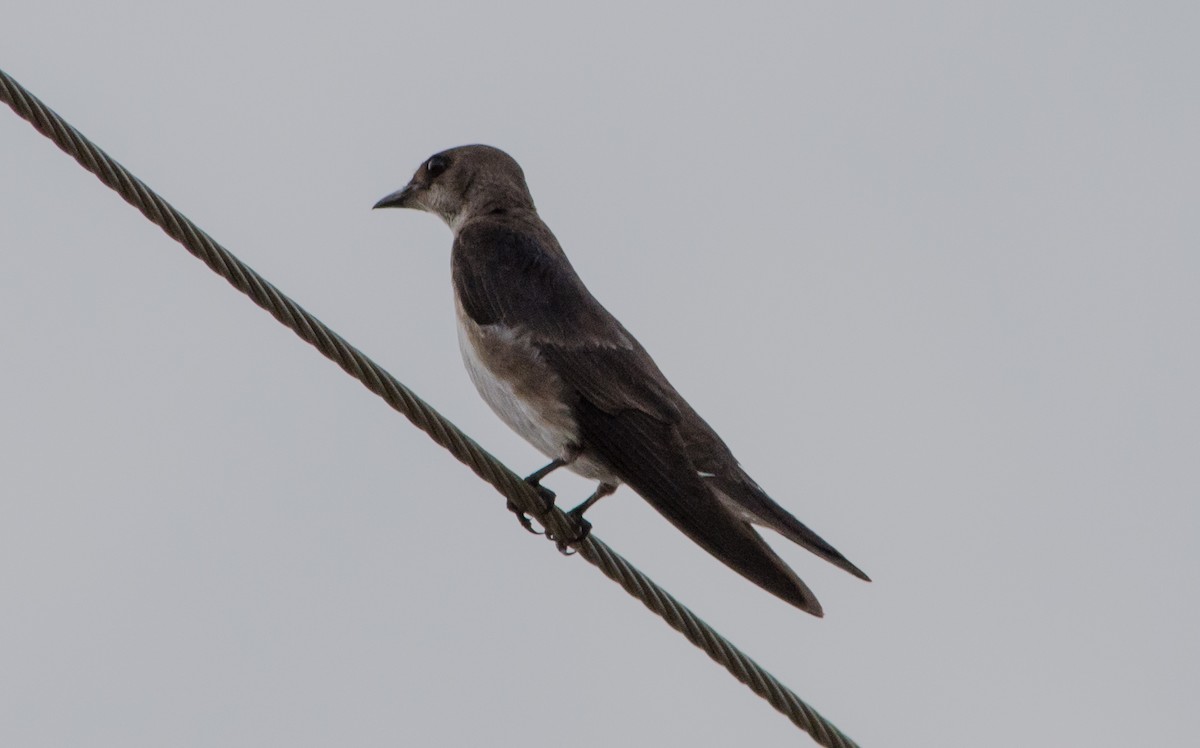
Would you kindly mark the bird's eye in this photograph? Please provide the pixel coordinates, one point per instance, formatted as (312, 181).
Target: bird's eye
(436, 165)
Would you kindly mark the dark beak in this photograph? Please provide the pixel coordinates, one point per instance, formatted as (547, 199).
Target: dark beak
(398, 199)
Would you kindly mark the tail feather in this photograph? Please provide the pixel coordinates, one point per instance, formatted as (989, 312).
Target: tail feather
(647, 454)
(758, 507)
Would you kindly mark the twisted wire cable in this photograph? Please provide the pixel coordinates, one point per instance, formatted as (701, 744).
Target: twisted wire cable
(422, 415)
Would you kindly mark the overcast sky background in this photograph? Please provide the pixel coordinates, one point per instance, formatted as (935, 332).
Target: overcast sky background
(931, 269)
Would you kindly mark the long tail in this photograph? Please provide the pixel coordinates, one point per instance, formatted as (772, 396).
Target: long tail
(649, 455)
(741, 491)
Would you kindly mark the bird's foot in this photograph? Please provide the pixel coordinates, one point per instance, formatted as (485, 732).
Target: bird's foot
(547, 504)
(583, 528)
(523, 518)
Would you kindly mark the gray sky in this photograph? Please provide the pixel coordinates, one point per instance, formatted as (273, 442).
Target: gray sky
(930, 269)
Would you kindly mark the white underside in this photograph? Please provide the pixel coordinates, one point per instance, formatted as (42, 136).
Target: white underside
(520, 415)
(545, 422)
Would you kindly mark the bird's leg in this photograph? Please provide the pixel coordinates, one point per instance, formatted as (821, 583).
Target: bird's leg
(547, 495)
(534, 478)
(583, 527)
(602, 490)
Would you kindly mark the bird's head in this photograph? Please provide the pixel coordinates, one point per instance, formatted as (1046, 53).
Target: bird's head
(462, 183)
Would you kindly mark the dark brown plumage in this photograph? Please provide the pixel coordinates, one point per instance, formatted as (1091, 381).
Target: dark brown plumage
(566, 375)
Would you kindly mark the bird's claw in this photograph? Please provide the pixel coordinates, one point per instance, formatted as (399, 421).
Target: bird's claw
(547, 496)
(523, 518)
(583, 528)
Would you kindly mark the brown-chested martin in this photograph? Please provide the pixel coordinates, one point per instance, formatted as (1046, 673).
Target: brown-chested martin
(568, 377)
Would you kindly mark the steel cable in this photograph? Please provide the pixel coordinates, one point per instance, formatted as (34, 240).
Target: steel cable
(376, 379)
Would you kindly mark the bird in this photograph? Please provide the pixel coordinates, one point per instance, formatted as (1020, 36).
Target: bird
(564, 374)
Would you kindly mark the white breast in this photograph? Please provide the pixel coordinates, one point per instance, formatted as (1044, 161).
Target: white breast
(526, 393)
(544, 421)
